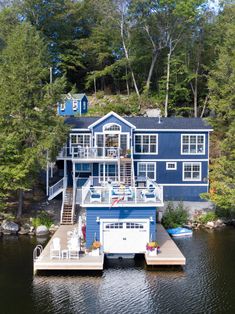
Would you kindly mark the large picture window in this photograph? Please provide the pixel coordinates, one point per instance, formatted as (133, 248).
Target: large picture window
(191, 171)
(146, 144)
(192, 144)
(147, 170)
(82, 140)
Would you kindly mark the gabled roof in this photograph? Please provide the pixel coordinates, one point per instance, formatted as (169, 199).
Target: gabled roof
(111, 113)
(73, 96)
(146, 123)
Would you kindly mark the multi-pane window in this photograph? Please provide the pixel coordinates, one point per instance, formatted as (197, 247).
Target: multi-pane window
(62, 106)
(82, 140)
(112, 127)
(132, 225)
(171, 166)
(147, 170)
(146, 143)
(191, 171)
(116, 225)
(107, 171)
(193, 144)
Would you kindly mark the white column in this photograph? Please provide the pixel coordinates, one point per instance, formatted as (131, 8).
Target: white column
(65, 167)
(47, 179)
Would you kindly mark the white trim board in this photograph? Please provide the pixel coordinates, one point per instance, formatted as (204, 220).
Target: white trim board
(188, 160)
(184, 184)
(174, 130)
(107, 116)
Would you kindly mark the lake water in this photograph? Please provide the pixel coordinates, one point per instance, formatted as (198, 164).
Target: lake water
(205, 285)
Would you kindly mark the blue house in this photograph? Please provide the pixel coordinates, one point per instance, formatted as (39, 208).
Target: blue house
(73, 104)
(122, 169)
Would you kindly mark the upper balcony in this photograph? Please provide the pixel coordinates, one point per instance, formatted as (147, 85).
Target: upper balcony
(114, 194)
(89, 153)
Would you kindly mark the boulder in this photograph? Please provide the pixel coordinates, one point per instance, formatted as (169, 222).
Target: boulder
(10, 226)
(23, 231)
(41, 231)
(219, 223)
(210, 224)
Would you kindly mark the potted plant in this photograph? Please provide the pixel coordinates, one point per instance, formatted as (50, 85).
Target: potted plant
(152, 248)
(128, 153)
(95, 248)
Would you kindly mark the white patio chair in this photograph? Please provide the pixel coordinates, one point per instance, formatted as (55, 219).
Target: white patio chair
(55, 250)
(74, 248)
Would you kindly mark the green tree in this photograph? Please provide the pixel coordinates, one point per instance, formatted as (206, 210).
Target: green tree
(29, 126)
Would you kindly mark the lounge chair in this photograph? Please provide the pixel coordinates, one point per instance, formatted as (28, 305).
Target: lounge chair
(74, 248)
(149, 195)
(95, 196)
(55, 250)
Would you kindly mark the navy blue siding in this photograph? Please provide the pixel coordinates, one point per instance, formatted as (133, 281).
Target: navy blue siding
(169, 146)
(93, 227)
(184, 193)
(112, 119)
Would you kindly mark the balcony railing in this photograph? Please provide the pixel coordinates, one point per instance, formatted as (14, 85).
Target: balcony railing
(76, 152)
(114, 194)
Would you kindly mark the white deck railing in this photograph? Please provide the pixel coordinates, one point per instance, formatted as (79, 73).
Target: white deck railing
(77, 152)
(121, 195)
(58, 187)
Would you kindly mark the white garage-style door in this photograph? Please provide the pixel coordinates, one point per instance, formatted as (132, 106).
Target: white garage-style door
(125, 236)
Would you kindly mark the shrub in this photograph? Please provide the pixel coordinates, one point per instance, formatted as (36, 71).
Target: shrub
(174, 216)
(210, 216)
(43, 218)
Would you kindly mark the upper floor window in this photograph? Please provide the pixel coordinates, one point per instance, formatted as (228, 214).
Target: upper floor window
(191, 171)
(75, 105)
(146, 144)
(192, 144)
(82, 140)
(171, 166)
(112, 127)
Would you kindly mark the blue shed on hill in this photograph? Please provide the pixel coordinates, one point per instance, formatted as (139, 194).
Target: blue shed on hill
(73, 104)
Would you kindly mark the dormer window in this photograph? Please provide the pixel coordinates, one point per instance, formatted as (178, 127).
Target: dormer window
(75, 105)
(62, 106)
(112, 127)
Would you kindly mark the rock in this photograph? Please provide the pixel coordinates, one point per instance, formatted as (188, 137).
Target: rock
(23, 231)
(210, 224)
(10, 226)
(6, 232)
(41, 231)
(53, 228)
(219, 223)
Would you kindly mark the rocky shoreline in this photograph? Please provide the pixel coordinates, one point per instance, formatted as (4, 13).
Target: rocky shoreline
(218, 223)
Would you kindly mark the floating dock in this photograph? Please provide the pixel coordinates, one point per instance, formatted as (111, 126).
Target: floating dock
(85, 262)
(169, 253)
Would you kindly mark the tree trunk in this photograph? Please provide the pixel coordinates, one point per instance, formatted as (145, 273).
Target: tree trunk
(195, 97)
(20, 206)
(95, 86)
(167, 83)
(127, 57)
(154, 59)
(127, 84)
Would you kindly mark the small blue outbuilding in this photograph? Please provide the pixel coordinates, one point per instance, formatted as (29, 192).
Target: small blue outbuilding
(73, 104)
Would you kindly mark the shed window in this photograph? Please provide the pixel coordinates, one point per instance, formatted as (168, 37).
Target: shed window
(62, 106)
(75, 105)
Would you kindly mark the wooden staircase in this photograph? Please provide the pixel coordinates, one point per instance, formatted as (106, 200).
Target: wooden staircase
(67, 210)
(126, 171)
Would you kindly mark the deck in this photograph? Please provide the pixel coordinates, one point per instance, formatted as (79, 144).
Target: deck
(85, 262)
(169, 252)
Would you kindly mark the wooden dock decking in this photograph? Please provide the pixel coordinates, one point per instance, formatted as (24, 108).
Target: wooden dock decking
(169, 252)
(85, 262)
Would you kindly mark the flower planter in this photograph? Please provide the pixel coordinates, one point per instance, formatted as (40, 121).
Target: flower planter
(152, 253)
(95, 252)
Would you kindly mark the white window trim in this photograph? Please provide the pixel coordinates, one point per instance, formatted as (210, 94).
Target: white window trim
(112, 131)
(146, 163)
(155, 153)
(170, 162)
(63, 106)
(70, 142)
(200, 171)
(101, 177)
(193, 134)
(75, 105)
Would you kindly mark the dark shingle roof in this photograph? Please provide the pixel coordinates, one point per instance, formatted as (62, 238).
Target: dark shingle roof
(147, 123)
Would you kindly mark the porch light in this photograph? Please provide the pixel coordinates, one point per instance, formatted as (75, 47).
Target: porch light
(151, 219)
(97, 219)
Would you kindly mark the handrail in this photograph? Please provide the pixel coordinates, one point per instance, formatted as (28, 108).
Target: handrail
(65, 184)
(85, 189)
(57, 186)
(37, 252)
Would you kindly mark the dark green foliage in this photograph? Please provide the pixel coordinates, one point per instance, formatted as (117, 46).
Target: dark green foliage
(174, 216)
(209, 216)
(43, 218)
